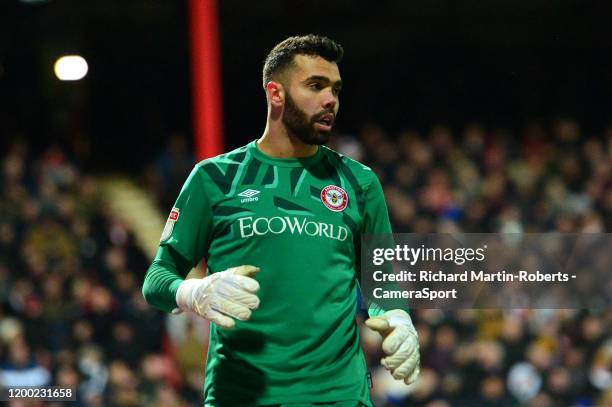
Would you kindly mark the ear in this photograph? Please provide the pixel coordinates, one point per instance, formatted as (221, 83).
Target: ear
(275, 93)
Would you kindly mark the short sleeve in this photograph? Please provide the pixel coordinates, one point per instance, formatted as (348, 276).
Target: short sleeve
(189, 225)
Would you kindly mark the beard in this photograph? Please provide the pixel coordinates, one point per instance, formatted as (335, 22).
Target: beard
(301, 126)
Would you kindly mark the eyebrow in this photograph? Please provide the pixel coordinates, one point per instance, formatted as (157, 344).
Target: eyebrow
(321, 78)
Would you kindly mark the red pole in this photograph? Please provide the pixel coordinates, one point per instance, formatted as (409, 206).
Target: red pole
(206, 78)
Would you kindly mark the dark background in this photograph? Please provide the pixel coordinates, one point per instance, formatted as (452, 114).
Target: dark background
(407, 65)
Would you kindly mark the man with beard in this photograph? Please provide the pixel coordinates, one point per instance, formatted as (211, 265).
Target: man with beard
(279, 223)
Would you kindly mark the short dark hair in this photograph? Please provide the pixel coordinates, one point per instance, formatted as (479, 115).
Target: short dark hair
(281, 56)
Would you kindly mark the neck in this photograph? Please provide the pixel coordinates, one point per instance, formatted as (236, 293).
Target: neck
(277, 142)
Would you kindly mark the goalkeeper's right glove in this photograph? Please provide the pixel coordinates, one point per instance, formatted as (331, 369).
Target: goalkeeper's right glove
(229, 293)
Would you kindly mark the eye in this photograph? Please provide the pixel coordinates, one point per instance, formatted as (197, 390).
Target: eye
(315, 86)
(337, 91)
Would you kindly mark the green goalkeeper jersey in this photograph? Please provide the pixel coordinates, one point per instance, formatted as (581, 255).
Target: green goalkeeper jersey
(299, 221)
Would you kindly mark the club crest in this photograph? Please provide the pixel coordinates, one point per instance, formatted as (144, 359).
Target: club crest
(335, 198)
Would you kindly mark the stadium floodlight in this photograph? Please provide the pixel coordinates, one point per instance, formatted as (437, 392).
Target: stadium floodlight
(71, 68)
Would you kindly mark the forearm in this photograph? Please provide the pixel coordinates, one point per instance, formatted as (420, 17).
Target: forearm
(163, 278)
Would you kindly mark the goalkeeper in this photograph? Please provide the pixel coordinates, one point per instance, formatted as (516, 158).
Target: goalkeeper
(279, 223)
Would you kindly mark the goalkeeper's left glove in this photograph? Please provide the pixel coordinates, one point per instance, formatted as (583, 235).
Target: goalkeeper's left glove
(400, 343)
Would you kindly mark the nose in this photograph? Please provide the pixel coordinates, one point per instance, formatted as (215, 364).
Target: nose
(330, 101)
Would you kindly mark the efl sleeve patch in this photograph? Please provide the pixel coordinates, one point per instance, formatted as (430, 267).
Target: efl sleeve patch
(172, 218)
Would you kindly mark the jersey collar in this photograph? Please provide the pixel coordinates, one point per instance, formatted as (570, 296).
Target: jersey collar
(285, 162)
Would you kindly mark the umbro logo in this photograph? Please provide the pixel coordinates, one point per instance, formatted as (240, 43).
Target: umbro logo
(250, 195)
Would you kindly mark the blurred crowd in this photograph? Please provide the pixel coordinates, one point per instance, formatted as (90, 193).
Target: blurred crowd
(72, 314)
(71, 310)
(483, 180)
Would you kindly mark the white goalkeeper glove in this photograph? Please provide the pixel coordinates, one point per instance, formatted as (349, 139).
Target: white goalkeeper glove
(229, 293)
(400, 343)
